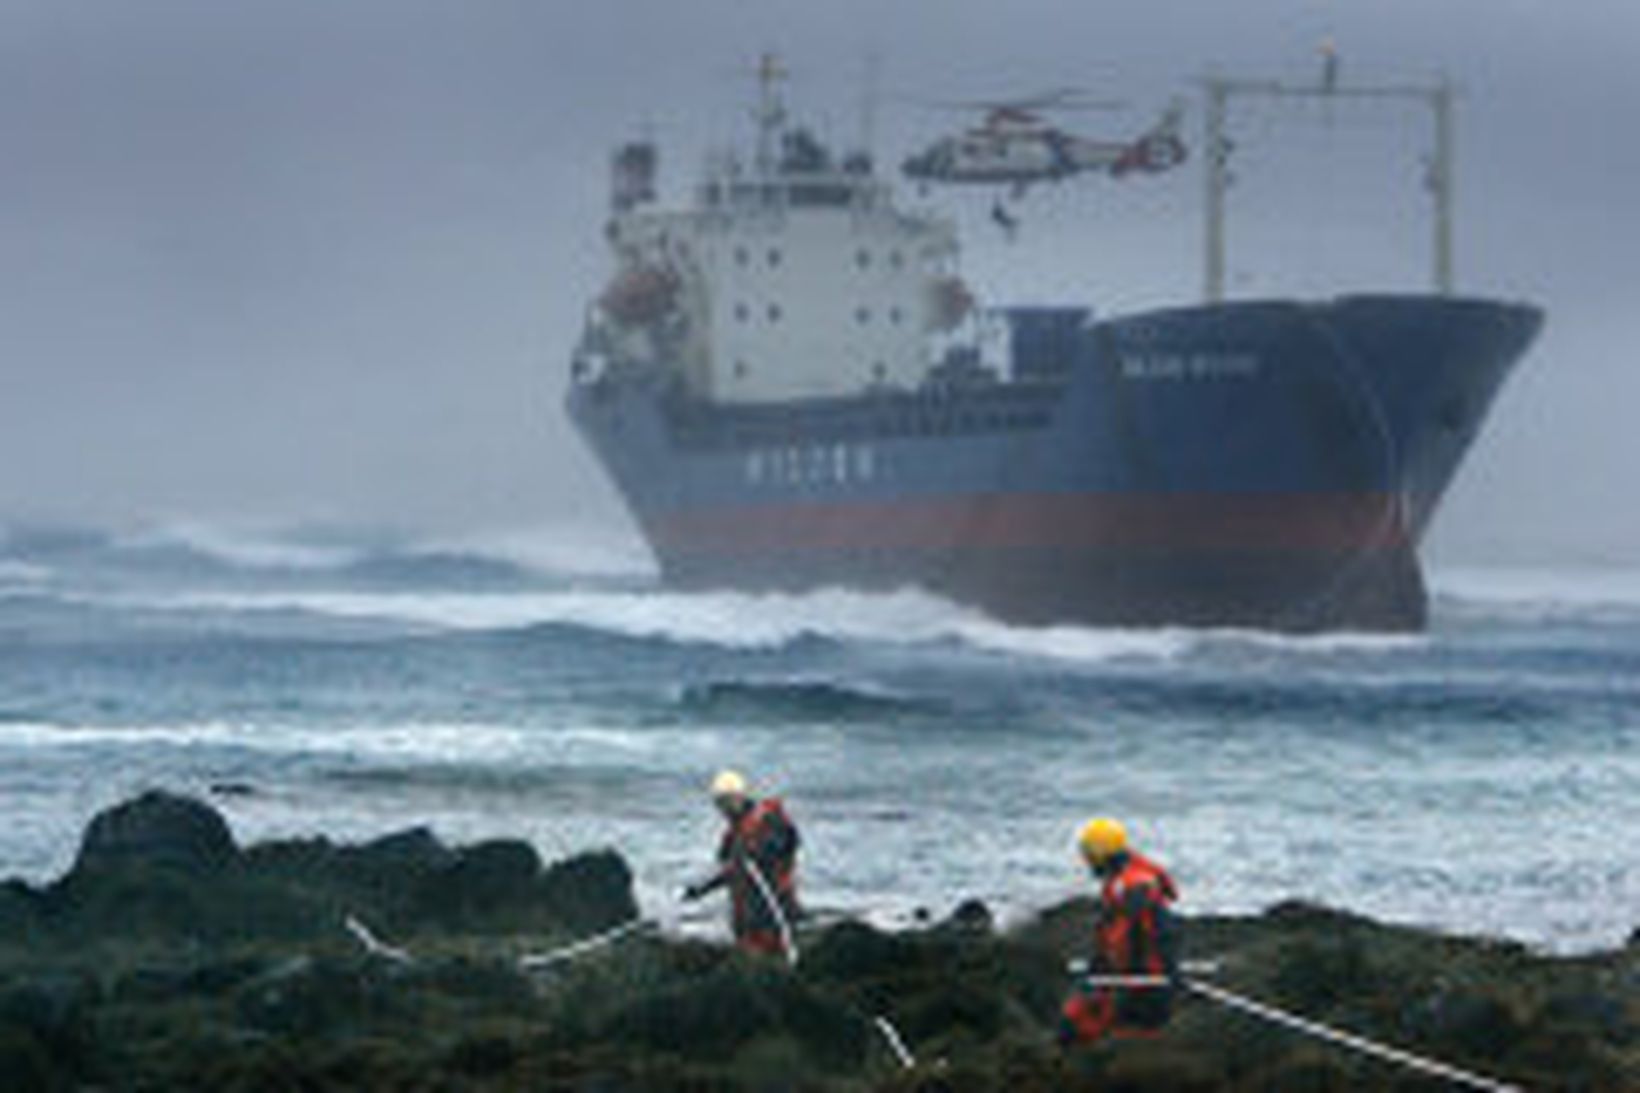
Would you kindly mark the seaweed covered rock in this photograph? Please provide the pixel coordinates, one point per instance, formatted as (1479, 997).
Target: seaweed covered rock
(949, 987)
(163, 866)
(47, 1034)
(21, 908)
(410, 881)
(590, 891)
(171, 959)
(718, 1014)
(157, 830)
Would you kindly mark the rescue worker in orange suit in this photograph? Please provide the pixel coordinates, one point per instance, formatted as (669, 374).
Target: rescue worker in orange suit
(1136, 934)
(757, 861)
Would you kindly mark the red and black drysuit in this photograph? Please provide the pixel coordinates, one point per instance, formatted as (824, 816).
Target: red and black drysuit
(762, 834)
(1136, 933)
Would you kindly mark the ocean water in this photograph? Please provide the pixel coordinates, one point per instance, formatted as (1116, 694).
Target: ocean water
(1482, 778)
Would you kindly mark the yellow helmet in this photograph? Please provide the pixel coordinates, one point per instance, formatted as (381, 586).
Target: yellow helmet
(1101, 838)
(729, 783)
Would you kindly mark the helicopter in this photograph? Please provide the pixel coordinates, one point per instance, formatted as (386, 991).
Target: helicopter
(1014, 145)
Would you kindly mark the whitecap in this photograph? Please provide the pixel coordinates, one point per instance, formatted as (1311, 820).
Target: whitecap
(1539, 591)
(244, 546)
(561, 550)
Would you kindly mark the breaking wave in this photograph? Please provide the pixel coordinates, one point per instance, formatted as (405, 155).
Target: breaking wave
(1538, 593)
(801, 700)
(731, 620)
(14, 574)
(242, 548)
(216, 553)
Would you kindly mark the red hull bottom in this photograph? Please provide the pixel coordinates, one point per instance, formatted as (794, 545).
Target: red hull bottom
(1379, 590)
(1282, 562)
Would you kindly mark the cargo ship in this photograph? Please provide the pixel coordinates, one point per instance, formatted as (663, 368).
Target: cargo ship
(792, 387)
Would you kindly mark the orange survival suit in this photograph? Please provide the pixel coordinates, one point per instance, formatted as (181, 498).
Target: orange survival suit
(1135, 933)
(761, 834)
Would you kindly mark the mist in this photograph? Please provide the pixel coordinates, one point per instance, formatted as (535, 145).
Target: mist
(326, 262)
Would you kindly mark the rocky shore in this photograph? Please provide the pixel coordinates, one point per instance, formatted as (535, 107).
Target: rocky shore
(169, 957)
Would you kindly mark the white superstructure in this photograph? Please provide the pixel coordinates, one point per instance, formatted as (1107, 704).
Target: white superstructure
(791, 276)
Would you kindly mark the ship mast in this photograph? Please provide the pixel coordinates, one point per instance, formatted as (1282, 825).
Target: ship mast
(771, 112)
(1220, 91)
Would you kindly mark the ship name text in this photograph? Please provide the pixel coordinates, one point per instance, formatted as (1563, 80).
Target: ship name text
(1188, 366)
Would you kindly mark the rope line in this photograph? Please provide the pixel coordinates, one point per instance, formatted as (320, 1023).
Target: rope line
(787, 942)
(537, 961)
(895, 1043)
(1349, 1040)
(1304, 1025)
(373, 945)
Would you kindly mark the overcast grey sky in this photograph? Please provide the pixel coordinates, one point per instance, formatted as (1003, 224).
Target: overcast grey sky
(325, 259)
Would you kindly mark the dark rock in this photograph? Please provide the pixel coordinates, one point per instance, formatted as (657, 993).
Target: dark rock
(1314, 972)
(20, 913)
(480, 882)
(413, 850)
(480, 981)
(482, 1057)
(971, 916)
(26, 1065)
(1311, 1070)
(233, 789)
(1604, 1015)
(51, 1013)
(1479, 1024)
(739, 1004)
(158, 829)
(854, 951)
(164, 983)
(1296, 915)
(231, 970)
(965, 1008)
(306, 997)
(589, 891)
(1157, 1065)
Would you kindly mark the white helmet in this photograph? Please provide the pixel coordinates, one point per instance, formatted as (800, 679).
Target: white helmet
(729, 783)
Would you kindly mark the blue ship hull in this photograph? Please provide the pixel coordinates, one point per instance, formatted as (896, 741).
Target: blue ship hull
(1263, 463)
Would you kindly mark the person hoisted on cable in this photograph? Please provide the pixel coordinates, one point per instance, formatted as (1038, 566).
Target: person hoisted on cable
(757, 860)
(1136, 934)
